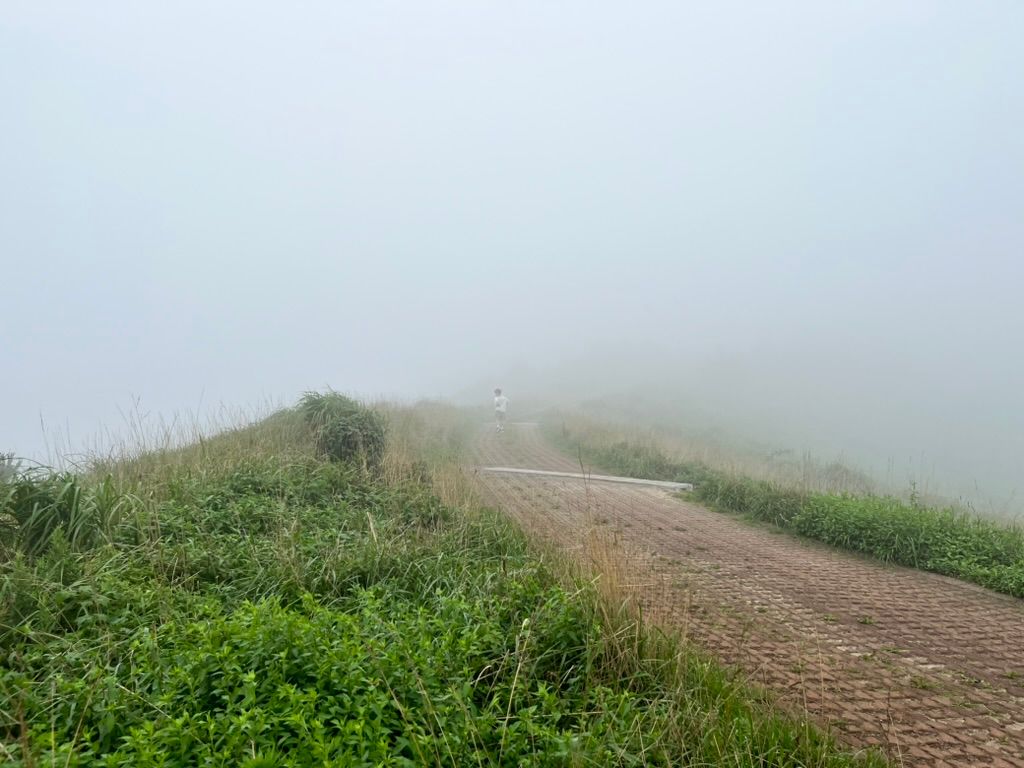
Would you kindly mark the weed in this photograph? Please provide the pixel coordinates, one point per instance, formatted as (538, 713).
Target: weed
(922, 683)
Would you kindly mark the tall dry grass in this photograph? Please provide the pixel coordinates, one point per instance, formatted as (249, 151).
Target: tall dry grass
(429, 442)
(154, 462)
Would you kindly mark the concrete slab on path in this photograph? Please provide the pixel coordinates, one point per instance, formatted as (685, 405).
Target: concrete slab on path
(594, 478)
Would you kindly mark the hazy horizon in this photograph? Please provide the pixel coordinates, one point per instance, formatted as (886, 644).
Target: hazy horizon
(802, 222)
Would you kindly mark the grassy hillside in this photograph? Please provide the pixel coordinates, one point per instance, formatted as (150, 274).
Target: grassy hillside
(306, 592)
(943, 540)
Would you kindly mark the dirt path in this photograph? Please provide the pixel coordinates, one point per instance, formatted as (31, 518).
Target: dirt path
(928, 668)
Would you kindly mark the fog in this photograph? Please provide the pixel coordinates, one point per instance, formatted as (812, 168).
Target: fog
(803, 222)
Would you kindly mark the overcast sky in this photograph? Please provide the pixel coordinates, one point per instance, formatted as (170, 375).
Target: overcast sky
(812, 214)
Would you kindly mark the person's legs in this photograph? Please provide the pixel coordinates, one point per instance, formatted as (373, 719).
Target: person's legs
(499, 417)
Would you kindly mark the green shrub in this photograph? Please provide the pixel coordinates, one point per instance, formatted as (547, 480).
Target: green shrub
(343, 429)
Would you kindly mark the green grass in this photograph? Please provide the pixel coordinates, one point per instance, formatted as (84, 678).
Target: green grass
(276, 608)
(945, 541)
(342, 429)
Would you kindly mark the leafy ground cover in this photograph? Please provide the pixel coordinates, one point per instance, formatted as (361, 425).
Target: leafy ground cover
(275, 607)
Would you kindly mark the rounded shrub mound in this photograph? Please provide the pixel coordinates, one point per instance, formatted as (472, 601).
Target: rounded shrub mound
(344, 429)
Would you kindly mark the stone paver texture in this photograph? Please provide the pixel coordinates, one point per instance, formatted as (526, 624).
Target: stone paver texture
(926, 668)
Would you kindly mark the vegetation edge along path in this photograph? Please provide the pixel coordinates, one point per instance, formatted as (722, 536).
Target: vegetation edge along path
(947, 541)
(295, 593)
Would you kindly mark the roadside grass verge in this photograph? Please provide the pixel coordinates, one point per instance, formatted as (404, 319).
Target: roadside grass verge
(255, 603)
(943, 540)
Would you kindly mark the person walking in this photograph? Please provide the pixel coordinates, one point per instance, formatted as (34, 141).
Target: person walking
(500, 409)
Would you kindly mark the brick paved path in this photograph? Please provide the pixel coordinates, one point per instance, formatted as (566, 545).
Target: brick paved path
(928, 668)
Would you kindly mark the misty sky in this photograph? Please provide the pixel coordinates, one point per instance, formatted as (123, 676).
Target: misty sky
(808, 216)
